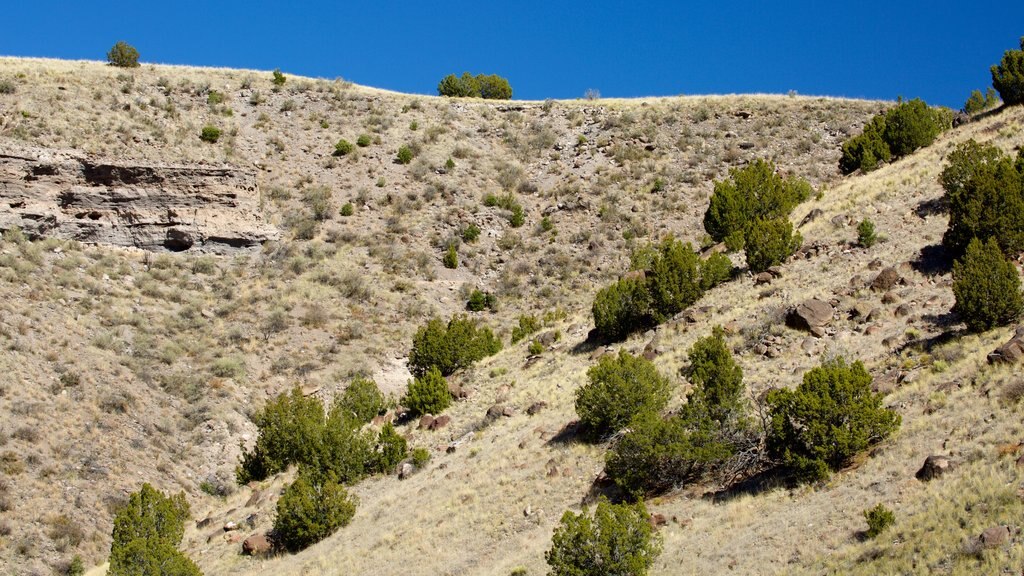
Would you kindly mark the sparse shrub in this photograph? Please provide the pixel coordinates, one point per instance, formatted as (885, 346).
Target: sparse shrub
(619, 388)
(147, 532)
(312, 508)
(363, 141)
(405, 155)
(347, 209)
(123, 55)
(228, 367)
(362, 399)
(518, 217)
(987, 287)
(769, 242)
(342, 148)
(617, 540)
(76, 567)
(451, 258)
(391, 448)
(277, 78)
(480, 86)
(420, 457)
(878, 518)
(977, 103)
(449, 164)
(1008, 76)
(427, 394)
(471, 233)
(535, 348)
(866, 236)
(7, 87)
(893, 134)
(750, 193)
(319, 200)
(832, 416)
(210, 134)
(214, 97)
(451, 346)
(985, 192)
(480, 301)
(527, 325)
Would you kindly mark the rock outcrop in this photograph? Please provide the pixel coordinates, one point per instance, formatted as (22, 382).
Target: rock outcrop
(154, 207)
(1010, 353)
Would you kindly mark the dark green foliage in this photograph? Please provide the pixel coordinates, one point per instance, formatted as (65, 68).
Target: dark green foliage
(878, 518)
(76, 567)
(450, 258)
(1008, 76)
(210, 134)
(491, 87)
(619, 388)
(618, 540)
(345, 452)
(391, 448)
(363, 141)
(362, 399)
(480, 301)
(752, 192)
(470, 233)
(277, 78)
(893, 134)
(451, 346)
(977, 103)
(986, 286)
(866, 236)
(518, 217)
(527, 325)
(342, 148)
(123, 55)
(428, 394)
(405, 155)
(347, 209)
(770, 242)
(147, 531)
(535, 348)
(674, 282)
(717, 394)
(622, 308)
(716, 269)
(289, 431)
(985, 191)
(831, 417)
(312, 508)
(420, 457)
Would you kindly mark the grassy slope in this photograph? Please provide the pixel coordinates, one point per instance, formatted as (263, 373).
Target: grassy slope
(465, 513)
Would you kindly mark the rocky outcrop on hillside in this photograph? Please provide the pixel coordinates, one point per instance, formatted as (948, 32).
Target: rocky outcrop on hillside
(153, 207)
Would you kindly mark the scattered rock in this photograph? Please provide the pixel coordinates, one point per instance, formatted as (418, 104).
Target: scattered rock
(439, 422)
(229, 526)
(457, 391)
(494, 412)
(904, 310)
(934, 466)
(1012, 352)
(811, 315)
(426, 421)
(886, 279)
(763, 278)
(204, 522)
(406, 469)
(508, 411)
(535, 408)
(994, 537)
(890, 298)
(658, 520)
(257, 545)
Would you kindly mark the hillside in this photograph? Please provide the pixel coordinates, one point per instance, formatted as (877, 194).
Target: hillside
(153, 361)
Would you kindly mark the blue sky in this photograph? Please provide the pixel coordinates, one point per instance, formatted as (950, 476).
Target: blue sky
(936, 50)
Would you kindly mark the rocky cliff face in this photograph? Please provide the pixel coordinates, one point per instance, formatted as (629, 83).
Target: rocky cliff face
(159, 208)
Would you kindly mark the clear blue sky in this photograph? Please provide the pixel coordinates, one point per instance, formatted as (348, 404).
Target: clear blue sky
(937, 50)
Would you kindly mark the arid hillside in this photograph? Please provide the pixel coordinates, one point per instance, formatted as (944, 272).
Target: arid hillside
(144, 318)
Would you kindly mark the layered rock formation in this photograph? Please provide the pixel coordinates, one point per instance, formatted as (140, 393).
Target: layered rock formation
(160, 208)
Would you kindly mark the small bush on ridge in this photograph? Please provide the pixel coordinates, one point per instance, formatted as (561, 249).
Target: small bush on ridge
(123, 55)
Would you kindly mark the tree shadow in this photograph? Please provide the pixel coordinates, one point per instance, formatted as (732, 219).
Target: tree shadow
(931, 207)
(766, 480)
(928, 344)
(603, 487)
(591, 343)
(933, 260)
(571, 433)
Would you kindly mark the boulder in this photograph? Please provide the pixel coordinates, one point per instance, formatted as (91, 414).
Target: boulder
(439, 422)
(994, 537)
(257, 545)
(811, 315)
(658, 520)
(426, 421)
(405, 469)
(934, 466)
(763, 278)
(536, 407)
(1012, 352)
(885, 280)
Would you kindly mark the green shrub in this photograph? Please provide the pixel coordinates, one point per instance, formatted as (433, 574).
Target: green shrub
(831, 416)
(753, 192)
(987, 287)
(717, 394)
(985, 192)
(480, 86)
(770, 242)
(895, 133)
(878, 518)
(518, 217)
(214, 98)
(363, 141)
(420, 457)
(210, 134)
(76, 567)
(123, 55)
(716, 269)
(312, 508)
(622, 308)
(480, 301)
(866, 236)
(427, 394)
(535, 348)
(277, 78)
(617, 540)
(405, 155)
(1008, 76)
(451, 346)
(391, 448)
(289, 430)
(674, 280)
(471, 233)
(146, 535)
(618, 389)
(527, 325)
(450, 258)
(343, 450)
(362, 399)
(347, 209)
(977, 103)
(342, 148)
